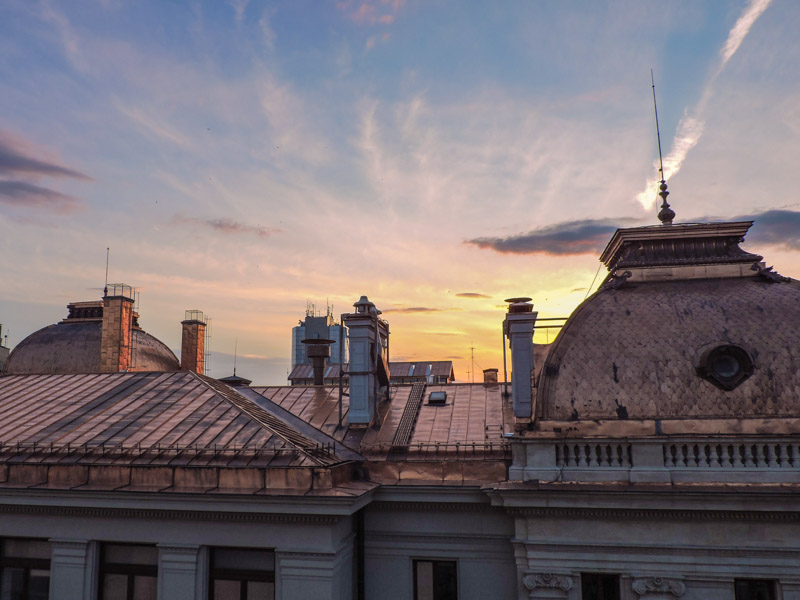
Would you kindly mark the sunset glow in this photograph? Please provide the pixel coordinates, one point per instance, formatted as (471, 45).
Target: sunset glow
(245, 158)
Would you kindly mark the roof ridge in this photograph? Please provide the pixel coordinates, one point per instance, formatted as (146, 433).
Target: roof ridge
(308, 447)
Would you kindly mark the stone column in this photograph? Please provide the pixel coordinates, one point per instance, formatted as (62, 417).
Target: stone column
(179, 572)
(73, 570)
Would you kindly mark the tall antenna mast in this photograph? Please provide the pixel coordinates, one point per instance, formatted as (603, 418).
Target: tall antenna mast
(666, 214)
(105, 287)
(472, 360)
(235, 353)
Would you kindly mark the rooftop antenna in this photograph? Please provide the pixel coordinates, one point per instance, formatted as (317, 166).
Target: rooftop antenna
(235, 352)
(105, 287)
(666, 214)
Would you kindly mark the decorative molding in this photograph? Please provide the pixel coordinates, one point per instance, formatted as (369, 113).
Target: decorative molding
(659, 514)
(183, 515)
(659, 585)
(533, 581)
(534, 548)
(427, 506)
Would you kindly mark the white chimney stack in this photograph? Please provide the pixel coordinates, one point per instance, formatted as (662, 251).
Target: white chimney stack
(518, 327)
(369, 369)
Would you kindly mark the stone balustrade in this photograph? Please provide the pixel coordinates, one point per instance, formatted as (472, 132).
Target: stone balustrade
(755, 459)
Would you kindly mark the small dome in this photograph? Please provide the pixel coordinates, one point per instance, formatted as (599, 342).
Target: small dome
(74, 347)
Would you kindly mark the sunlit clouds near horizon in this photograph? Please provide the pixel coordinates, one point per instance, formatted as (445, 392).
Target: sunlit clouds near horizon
(245, 158)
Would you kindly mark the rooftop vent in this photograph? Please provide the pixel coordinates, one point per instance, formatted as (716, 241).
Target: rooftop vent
(437, 398)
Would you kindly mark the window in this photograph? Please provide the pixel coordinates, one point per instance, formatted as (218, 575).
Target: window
(128, 572)
(726, 366)
(435, 580)
(242, 574)
(24, 569)
(599, 586)
(754, 589)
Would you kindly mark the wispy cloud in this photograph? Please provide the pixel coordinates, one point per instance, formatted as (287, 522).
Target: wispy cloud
(742, 27)
(17, 158)
(692, 125)
(571, 237)
(471, 295)
(371, 12)
(27, 195)
(227, 226)
(239, 6)
(154, 126)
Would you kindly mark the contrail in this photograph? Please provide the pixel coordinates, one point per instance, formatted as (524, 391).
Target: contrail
(691, 126)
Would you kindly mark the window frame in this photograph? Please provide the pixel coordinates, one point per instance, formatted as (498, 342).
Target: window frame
(773, 585)
(433, 560)
(602, 575)
(127, 569)
(26, 564)
(243, 576)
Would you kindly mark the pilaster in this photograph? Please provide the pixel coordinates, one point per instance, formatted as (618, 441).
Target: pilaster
(179, 573)
(73, 570)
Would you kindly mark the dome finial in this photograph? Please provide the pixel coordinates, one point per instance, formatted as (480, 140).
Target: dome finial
(666, 214)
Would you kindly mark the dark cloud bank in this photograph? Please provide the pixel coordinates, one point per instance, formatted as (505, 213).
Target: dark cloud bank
(16, 161)
(590, 236)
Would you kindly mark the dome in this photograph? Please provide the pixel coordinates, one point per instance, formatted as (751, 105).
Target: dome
(681, 335)
(73, 346)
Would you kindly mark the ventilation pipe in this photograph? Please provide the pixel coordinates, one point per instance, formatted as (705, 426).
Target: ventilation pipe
(318, 350)
(369, 370)
(490, 376)
(518, 327)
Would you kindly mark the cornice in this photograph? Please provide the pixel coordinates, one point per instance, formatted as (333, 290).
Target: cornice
(386, 505)
(182, 515)
(657, 514)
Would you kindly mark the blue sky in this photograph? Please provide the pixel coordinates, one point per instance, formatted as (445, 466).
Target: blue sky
(244, 157)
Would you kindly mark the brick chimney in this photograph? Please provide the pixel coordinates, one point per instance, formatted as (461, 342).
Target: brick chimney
(369, 369)
(518, 326)
(490, 376)
(117, 330)
(193, 341)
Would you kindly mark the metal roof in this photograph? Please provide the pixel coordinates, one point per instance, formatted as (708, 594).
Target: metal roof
(145, 418)
(398, 370)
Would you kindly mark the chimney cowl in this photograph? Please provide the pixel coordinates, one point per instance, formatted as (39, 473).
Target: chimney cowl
(519, 305)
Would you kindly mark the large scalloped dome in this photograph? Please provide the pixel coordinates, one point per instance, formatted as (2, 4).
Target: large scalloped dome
(75, 348)
(633, 352)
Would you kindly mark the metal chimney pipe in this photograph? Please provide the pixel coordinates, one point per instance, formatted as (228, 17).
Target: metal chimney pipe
(318, 350)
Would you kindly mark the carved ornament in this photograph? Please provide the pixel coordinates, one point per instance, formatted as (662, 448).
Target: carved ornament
(547, 580)
(659, 585)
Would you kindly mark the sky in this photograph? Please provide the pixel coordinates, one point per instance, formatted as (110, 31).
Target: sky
(247, 158)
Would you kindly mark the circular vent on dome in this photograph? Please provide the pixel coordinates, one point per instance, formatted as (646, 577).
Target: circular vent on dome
(726, 366)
